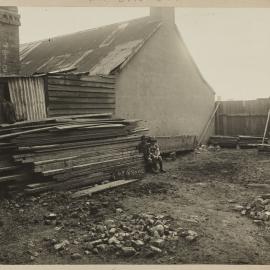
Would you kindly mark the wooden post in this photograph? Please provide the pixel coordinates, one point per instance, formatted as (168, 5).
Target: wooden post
(208, 124)
(266, 126)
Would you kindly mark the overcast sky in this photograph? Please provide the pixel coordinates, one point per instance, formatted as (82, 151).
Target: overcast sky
(230, 46)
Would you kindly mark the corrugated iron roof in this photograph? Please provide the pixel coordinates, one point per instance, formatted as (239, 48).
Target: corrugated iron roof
(98, 50)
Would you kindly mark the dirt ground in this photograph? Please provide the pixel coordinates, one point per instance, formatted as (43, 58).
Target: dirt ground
(199, 193)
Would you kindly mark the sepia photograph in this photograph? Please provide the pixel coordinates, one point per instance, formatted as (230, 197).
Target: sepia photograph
(134, 135)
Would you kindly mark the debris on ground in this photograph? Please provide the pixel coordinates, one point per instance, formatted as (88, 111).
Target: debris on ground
(195, 199)
(258, 209)
(129, 235)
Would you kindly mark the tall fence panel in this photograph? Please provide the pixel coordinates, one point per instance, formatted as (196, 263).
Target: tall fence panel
(244, 117)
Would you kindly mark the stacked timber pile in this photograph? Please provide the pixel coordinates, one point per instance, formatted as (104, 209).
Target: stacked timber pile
(250, 141)
(69, 152)
(223, 141)
(10, 171)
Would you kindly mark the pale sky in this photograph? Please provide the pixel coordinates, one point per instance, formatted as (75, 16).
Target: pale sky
(230, 46)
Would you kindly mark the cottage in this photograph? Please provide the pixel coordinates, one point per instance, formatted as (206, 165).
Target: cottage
(141, 67)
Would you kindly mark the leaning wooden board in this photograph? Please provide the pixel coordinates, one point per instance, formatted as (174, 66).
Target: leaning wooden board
(90, 191)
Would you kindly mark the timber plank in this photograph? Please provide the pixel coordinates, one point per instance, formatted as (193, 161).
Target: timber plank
(58, 81)
(105, 168)
(103, 187)
(65, 106)
(66, 112)
(79, 94)
(74, 161)
(87, 165)
(87, 100)
(80, 89)
(87, 78)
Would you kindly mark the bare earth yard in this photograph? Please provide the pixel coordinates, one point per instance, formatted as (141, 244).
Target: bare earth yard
(199, 193)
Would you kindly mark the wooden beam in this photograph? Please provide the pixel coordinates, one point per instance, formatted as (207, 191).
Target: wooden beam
(103, 187)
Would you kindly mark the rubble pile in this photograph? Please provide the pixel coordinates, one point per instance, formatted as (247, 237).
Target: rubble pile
(258, 209)
(125, 235)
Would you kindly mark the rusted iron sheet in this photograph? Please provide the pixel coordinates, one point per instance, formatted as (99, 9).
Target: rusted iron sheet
(27, 95)
(176, 143)
(97, 50)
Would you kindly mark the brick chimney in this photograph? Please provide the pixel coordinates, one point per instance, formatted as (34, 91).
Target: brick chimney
(9, 41)
(164, 14)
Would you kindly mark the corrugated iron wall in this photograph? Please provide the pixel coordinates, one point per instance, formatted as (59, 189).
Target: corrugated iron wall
(242, 117)
(27, 95)
(71, 94)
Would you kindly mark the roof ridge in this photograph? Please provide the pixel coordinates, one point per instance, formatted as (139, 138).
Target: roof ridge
(86, 30)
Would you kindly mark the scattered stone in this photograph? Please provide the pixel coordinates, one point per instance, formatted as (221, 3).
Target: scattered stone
(231, 201)
(51, 216)
(158, 242)
(61, 245)
(100, 228)
(128, 251)
(109, 223)
(160, 229)
(266, 202)
(101, 247)
(32, 258)
(265, 196)
(88, 246)
(53, 241)
(96, 242)
(138, 243)
(47, 222)
(74, 215)
(76, 256)
(119, 210)
(239, 208)
(112, 231)
(155, 249)
(258, 222)
(113, 240)
(192, 235)
(35, 254)
(243, 212)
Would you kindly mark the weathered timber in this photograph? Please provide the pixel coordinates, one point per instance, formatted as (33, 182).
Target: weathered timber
(87, 165)
(80, 83)
(65, 106)
(80, 94)
(66, 112)
(103, 187)
(80, 89)
(82, 100)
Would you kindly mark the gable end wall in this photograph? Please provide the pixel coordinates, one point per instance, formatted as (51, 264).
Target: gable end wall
(162, 86)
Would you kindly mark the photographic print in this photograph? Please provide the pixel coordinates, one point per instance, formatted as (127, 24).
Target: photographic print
(134, 135)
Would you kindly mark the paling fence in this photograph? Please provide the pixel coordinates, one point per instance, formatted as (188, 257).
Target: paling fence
(244, 117)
